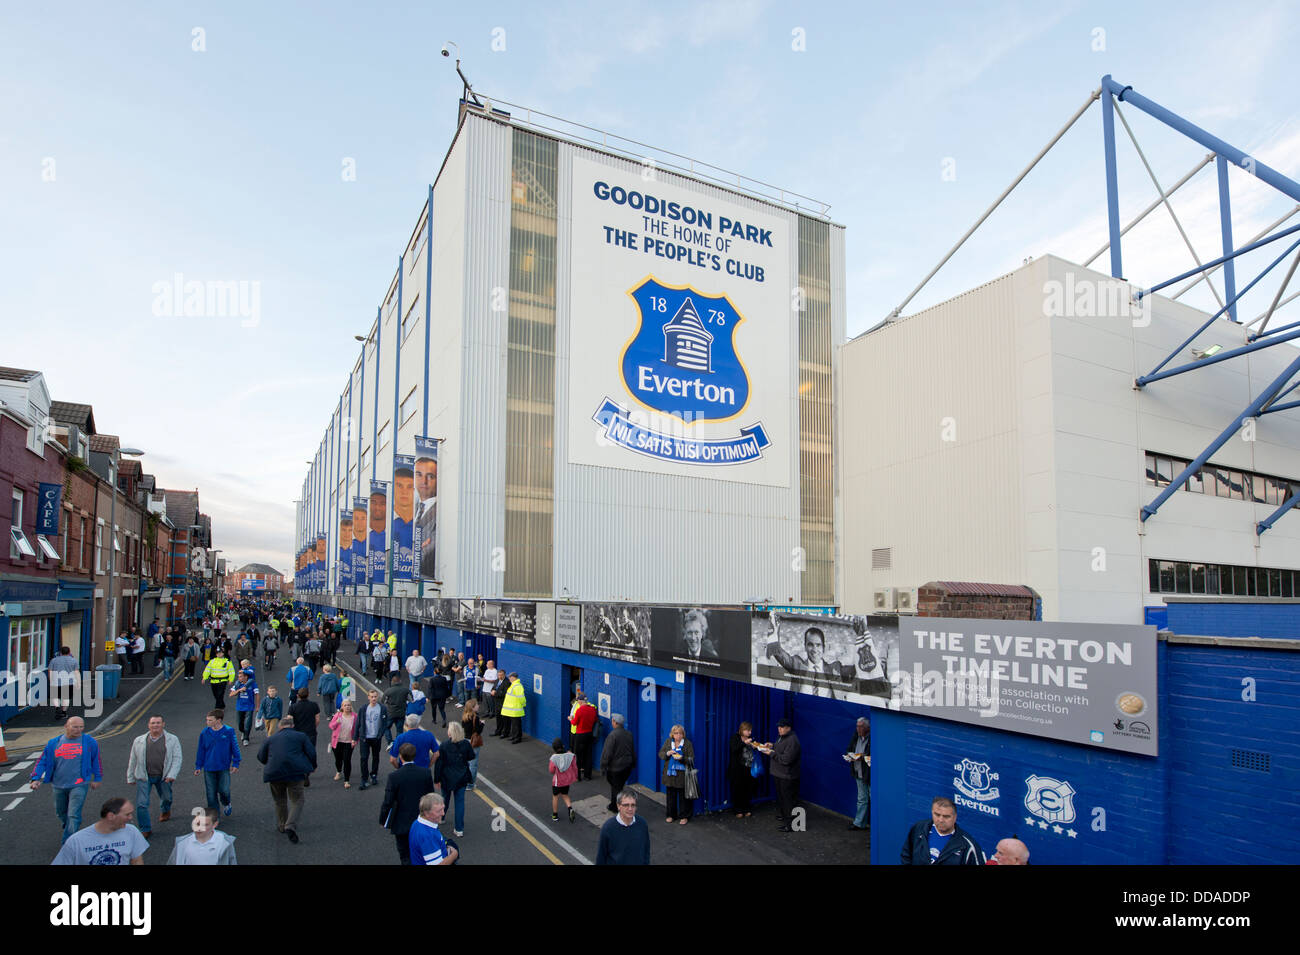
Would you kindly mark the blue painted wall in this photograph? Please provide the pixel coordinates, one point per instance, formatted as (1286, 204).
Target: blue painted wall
(1233, 763)
(1279, 620)
(1229, 768)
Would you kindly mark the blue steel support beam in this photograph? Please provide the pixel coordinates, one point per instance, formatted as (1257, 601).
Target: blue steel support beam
(1112, 178)
(1273, 518)
(1272, 331)
(1252, 410)
(374, 441)
(1280, 395)
(347, 468)
(397, 414)
(361, 417)
(1231, 304)
(1126, 94)
(1281, 407)
(428, 299)
(1219, 261)
(1214, 359)
(1225, 221)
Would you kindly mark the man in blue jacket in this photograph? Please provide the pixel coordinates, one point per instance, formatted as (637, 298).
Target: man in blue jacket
(70, 764)
(298, 676)
(217, 757)
(939, 840)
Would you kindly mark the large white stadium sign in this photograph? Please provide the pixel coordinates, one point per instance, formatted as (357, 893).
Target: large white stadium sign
(681, 331)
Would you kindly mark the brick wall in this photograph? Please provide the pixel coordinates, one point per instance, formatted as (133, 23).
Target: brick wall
(79, 504)
(22, 470)
(939, 600)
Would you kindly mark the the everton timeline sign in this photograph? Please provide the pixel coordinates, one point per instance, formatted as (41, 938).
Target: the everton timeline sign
(681, 331)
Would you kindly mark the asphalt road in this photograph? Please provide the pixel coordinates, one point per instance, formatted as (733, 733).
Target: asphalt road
(338, 826)
(507, 817)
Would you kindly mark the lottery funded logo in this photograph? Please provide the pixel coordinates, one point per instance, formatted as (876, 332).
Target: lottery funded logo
(682, 361)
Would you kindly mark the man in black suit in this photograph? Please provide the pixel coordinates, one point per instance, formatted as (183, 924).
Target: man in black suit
(405, 787)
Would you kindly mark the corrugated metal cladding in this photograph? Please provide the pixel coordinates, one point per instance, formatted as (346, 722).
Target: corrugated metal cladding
(951, 435)
(623, 535)
(530, 375)
(482, 436)
(816, 426)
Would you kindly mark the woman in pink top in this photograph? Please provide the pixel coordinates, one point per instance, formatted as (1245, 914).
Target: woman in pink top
(343, 735)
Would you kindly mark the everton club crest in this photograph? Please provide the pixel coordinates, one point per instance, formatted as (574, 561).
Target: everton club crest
(682, 361)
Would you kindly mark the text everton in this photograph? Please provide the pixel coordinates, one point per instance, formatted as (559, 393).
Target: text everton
(699, 389)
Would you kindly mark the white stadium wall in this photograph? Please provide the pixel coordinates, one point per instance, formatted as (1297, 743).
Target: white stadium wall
(1045, 478)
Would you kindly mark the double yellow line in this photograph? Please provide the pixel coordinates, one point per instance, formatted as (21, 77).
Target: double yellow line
(511, 820)
(149, 701)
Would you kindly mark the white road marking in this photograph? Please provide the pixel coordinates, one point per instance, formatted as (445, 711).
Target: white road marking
(14, 803)
(7, 776)
(541, 826)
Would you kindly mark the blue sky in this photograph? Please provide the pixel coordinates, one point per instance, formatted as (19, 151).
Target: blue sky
(225, 164)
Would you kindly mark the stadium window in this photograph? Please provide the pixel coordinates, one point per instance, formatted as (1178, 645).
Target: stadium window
(407, 323)
(1198, 578)
(1167, 577)
(1182, 578)
(1164, 472)
(409, 406)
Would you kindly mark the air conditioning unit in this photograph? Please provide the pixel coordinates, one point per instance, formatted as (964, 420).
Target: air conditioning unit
(907, 600)
(883, 599)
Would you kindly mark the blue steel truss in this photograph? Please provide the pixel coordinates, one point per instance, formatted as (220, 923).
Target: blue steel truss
(1267, 400)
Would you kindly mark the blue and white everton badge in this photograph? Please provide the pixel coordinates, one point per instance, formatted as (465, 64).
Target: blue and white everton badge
(682, 360)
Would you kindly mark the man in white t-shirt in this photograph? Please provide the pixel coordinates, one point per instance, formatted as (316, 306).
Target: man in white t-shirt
(205, 845)
(415, 665)
(111, 841)
(490, 677)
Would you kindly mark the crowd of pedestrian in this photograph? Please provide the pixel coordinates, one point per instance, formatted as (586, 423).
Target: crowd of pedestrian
(431, 769)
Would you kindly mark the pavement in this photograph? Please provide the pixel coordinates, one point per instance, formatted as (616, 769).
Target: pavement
(507, 816)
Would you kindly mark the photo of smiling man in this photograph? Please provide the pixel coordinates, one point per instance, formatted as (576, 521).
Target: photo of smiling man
(403, 517)
(424, 541)
(377, 545)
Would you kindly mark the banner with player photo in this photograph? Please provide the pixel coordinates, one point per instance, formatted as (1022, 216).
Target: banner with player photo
(360, 576)
(617, 632)
(404, 562)
(850, 658)
(322, 561)
(424, 539)
(345, 550)
(714, 642)
(377, 540)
